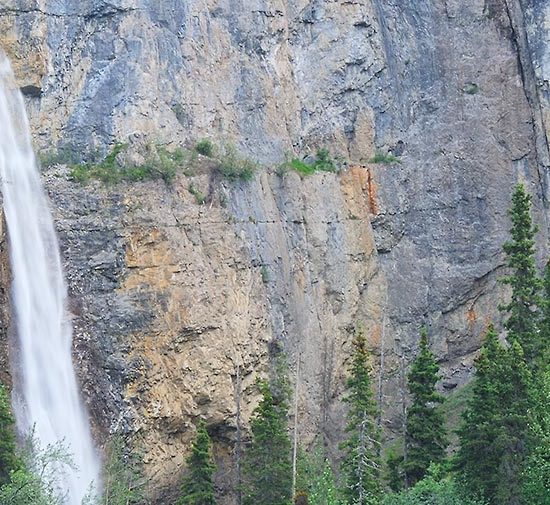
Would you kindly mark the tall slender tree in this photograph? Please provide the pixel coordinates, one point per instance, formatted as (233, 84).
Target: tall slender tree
(198, 485)
(361, 465)
(526, 286)
(425, 440)
(494, 428)
(267, 469)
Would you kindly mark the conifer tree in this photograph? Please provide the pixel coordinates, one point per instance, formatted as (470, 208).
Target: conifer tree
(536, 485)
(493, 432)
(361, 466)
(522, 308)
(543, 343)
(268, 460)
(8, 458)
(198, 485)
(394, 470)
(425, 440)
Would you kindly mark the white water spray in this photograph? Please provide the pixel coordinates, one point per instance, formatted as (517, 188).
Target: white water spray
(47, 379)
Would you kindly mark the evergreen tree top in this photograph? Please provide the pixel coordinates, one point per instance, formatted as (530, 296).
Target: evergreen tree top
(424, 373)
(198, 486)
(526, 286)
(360, 396)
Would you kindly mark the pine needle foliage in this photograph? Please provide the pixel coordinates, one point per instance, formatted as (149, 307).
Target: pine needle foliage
(536, 477)
(542, 357)
(198, 484)
(268, 460)
(426, 440)
(361, 465)
(526, 286)
(494, 428)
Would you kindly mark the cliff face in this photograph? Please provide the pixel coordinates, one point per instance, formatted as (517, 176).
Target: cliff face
(176, 303)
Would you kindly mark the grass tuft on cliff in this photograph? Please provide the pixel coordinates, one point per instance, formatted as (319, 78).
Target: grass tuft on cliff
(234, 167)
(384, 158)
(323, 162)
(160, 163)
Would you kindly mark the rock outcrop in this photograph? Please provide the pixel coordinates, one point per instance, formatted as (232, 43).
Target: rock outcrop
(173, 299)
(177, 303)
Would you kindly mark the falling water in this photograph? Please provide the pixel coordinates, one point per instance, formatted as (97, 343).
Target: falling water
(48, 385)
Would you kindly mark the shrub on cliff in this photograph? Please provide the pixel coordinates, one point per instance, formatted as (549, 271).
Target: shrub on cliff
(234, 167)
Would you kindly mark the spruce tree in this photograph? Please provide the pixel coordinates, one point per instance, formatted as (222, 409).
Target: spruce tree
(198, 485)
(425, 440)
(267, 465)
(493, 431)
(8, 458)
(543, 342)
(522, 308)
(361, 466)
(536, 477)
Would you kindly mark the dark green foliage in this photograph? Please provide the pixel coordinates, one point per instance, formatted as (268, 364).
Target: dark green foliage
(425, 440)
(522, 309)
(198, 484)
(234, 167)
(432, 491)
(493, 433)
(542, 351)
(536, 477)
(268, 463)
(9, 461)
(394, 470)
(384, 158)
(123, 483)
(324, 161)
(205, 147)
(361, 467)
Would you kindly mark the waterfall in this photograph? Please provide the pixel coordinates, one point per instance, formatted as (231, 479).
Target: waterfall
(45, 373)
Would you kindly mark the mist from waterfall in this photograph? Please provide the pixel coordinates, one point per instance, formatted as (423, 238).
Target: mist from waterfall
(45, 374)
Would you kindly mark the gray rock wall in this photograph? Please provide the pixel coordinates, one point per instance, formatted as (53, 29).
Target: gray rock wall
(457, 90)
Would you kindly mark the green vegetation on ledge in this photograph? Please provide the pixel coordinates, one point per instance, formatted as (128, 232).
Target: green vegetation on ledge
(384, 158)
(160, 163)
(323, 162)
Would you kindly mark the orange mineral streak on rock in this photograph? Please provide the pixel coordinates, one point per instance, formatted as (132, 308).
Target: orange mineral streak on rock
(471, 317)
(358, 185)
(371, 190)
